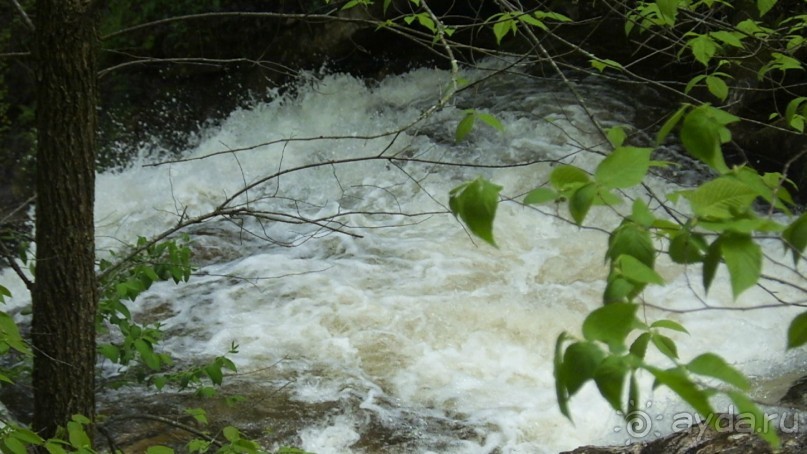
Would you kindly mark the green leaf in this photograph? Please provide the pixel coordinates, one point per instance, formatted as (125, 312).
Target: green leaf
(616, 136)
(580, 361)
(746, 222)
(721, 198)
(701, 136)
(475, 202)
(668, 125)
(624, 167)
(159, 381)
(197, 445)
(759, 419)
(464, 127)
(753, 28)
(795, 237)
(54, 448)
(81, 419)
(669, 324)
(731, 38)
(110, 352)
(619, 290)
(694, 82)
(564, 177)
(610, 324)
(797, 332)
(634, 240)
(4, 293)
(561, 393)
(637, 271)
(200, 415)
(711, 365)
(552, 16)
(231, 433)
(601, 63)
(686, 248)
(668, 10)
(15, 446)
(791, 116)
(215, 374)
(743, 258)
(781, 62)
(703, 48)
(665, 345)
(710, 262)
(610, 379)
(765, 185)
(26, 436)
(77, 435)
(10, 334)
(504, 25)
(490, 120)
(581, 202)
(639, 346)
(641, 214)
(677, 380)
(532, 20)
(426, 21)
(159, 450)
(633, 398)
(764, 6)
(541, 195)
(606, 197)
(226, 364)
(717, 87)
(146, 351)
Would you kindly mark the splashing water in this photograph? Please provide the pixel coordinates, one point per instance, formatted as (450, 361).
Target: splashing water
(411, 333)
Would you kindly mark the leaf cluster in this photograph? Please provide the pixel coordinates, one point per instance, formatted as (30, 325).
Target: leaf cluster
(720, 229)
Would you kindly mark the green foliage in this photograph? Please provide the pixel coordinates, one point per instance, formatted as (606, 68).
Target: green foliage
(11, 341)
(167, 260)
(466, 125)
(72, 439)
(508, 22)
(797, 332)
(475, 202)
(795, 113)
(795, 237)
(720, 229)
(235, 442)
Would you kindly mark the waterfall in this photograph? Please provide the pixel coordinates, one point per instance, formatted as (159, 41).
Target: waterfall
(386, 314)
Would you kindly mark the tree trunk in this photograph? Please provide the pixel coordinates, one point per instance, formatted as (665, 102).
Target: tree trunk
(65, 292)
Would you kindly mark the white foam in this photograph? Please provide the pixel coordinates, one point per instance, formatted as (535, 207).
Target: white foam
(418, 315)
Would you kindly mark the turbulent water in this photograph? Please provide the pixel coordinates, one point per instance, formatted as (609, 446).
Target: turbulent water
(386, 326)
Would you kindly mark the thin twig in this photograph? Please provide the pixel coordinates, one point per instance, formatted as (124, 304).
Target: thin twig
(25, 17)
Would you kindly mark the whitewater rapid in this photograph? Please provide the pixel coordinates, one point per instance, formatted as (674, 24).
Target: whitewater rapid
(410, 325)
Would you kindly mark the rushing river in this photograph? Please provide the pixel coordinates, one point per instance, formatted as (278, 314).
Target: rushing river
(398, 326)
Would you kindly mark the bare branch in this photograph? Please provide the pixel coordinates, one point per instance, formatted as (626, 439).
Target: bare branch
(15, 54)
(24, 15)
(242, 14)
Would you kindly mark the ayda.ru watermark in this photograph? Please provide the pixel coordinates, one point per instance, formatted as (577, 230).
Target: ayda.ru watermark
(640, 424)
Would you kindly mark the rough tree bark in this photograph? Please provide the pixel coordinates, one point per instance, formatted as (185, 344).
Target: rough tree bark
(65, 292)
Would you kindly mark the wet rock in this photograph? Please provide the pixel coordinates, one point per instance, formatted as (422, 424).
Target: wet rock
(796, 395)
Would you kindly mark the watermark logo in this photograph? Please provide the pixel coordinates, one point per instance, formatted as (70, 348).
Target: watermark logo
(639, 424)
(646, 422)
